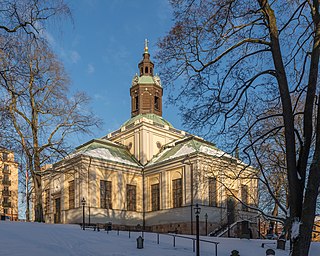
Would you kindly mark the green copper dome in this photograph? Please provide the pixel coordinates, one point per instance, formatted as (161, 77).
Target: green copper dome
(155, 118)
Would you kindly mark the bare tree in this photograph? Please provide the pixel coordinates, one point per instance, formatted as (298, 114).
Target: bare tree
(24, 20)
(42, 111)
(29, 16)
(240, 60)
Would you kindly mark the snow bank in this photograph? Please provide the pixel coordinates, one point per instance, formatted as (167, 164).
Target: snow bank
(24, 239)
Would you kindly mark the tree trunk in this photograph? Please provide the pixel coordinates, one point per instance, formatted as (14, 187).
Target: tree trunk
(27, 208)
(38, 199)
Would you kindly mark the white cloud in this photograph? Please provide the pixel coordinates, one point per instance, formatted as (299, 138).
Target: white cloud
(48, 36)
(98, 96)
(90, 69)
(74, 56)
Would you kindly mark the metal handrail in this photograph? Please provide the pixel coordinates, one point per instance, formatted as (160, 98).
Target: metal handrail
(174, 239)
(193, 241)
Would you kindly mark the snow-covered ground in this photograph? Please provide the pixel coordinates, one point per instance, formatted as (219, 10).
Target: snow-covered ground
(20, 238)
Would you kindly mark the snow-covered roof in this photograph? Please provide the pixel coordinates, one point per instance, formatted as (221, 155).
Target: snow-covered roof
(186, 147)
(106, 150)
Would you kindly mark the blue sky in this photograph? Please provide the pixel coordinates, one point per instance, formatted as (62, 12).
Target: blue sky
(101, 49)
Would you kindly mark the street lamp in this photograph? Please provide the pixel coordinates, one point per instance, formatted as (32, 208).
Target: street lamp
(206, 217)
(197, 211)
(83, 202)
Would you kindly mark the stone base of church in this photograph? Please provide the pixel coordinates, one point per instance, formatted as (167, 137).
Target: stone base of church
(183, 228)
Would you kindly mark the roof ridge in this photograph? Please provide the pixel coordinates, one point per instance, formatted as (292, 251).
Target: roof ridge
(101, 141)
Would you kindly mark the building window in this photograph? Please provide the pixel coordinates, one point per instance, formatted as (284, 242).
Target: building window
(155, 197)
(5, 211)
(131, 197)
(5, 156)
(136, 103)
(6, 168)
(151, 71)
(47, 205)
(244, 197)
(177, 192)
(105, 194)
(212, 191)
(156, 102)
(71, 195)
(146, 70)
(6, 178)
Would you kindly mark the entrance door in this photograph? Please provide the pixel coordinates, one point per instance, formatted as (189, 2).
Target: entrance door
(57, 214)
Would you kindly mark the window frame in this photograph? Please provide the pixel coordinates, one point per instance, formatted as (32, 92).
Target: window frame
(212, 190)
(131, 191)
(177, 197)
(71, 190)
(155, 197)
(106, 194)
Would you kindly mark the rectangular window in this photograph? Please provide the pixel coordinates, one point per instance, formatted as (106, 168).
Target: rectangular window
(244, 197)
(177, 192)
(47, 205)
(71, 195)
(212, 191)
(6, 168)
(105, 194)
(6, 177)
(5, 156)
(155, 197)
(131, 197)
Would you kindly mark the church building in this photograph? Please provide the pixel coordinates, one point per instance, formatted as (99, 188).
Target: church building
(149, 175)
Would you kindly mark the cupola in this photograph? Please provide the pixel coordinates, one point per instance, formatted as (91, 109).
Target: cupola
(146, 89)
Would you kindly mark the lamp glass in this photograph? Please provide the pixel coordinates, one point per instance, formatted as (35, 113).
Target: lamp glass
(197, 209)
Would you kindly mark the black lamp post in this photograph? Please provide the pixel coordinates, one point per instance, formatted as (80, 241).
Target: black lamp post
(83, 202)
(197, 211)
(206, 217)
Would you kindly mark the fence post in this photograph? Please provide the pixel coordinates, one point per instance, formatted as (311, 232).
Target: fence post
(118, 231)
(157, 238)
(216, 245)
(142, 234)
(193, 245)
(129, 233)
(174, 241)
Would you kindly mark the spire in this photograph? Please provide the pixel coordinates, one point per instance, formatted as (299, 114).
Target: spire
(146, 46)
(146, 65)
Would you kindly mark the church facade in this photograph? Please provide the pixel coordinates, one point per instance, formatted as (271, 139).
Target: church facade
(149, 175)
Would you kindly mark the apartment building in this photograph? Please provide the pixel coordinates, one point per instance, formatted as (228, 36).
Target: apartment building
(8, 185)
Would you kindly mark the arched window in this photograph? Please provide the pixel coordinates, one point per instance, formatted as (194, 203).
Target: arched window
(146, 70)
(151, 71)
(141, 70)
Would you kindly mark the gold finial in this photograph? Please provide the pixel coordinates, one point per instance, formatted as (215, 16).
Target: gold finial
(146, 45)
